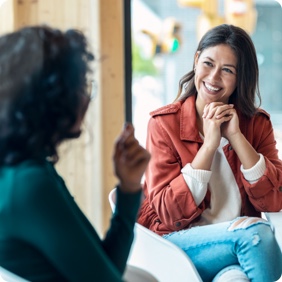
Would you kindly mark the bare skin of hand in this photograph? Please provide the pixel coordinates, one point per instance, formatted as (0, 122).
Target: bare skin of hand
(215, 115)
(228, 127)
(130, 160)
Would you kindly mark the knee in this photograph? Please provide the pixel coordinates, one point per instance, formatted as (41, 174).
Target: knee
(253, 228)
(247, 223)
(256, 235)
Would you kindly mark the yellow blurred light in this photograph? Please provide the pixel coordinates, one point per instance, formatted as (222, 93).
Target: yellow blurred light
(168, 40)
(206, 22)
(191, 3)
(207, 6)
(241, 13)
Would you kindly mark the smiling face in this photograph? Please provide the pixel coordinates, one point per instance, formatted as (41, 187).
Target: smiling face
(215, 74)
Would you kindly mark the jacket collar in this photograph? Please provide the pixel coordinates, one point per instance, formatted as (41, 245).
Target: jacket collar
(188, 121)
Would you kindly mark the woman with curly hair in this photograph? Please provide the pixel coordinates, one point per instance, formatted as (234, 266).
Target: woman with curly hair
(44, 236)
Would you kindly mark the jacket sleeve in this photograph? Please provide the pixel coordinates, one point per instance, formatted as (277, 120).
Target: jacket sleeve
(266, 193)
(167, 192)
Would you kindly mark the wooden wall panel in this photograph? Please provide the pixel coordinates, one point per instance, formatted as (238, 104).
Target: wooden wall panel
(6, 16)
(86, 164)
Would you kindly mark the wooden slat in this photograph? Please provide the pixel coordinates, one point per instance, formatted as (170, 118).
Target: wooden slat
(86, 164)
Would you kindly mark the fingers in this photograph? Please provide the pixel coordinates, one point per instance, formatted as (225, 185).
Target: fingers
(127, 147)
(124, 137)
(126, 134)
(217, 110)
(227, 113)
(210, 108)
(130, 160)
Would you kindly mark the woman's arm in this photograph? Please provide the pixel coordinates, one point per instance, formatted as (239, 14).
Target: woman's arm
(257, 139)
(266, 193)
(167, 190)
(46, 217)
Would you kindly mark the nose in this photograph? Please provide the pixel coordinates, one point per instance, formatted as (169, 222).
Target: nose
(215, 74)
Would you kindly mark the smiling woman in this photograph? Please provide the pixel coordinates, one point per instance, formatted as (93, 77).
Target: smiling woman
(215, 75)
(215, 166)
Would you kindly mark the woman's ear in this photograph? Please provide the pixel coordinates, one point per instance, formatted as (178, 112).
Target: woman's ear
(196, 58)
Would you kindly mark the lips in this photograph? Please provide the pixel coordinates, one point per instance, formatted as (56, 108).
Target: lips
(212, 88)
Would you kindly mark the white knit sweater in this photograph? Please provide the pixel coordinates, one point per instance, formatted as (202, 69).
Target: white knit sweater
(225, 202)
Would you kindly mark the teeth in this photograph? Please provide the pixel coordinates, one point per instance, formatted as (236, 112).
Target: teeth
(211, 88)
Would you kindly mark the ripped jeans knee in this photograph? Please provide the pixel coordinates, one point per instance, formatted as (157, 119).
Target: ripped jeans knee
(255, 225)
(256, 245)
(245, 241)
(246, 222)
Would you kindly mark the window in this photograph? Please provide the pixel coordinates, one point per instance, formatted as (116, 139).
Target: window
(156, 71)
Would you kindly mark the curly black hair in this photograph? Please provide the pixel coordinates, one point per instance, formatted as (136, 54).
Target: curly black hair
(43, 81)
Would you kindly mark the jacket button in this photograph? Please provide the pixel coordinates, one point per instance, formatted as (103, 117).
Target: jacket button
(280, 188)
(177, 224)
(230, 148)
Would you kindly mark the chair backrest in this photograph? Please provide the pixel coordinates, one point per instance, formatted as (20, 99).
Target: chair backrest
(158, 256)
(136, 274)
(275, 218)
(8, 276)
(112, 199)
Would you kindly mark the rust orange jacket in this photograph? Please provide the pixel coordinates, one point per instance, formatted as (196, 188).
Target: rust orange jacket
(173, 140)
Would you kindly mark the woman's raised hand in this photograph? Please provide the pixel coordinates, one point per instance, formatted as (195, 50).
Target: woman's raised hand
(214, 116)
(130, 160)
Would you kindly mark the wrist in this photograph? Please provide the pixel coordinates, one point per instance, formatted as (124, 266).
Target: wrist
(130, 187)
(208, 148)
(236, 138)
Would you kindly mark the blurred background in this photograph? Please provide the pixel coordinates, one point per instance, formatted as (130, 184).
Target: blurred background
(165, 37)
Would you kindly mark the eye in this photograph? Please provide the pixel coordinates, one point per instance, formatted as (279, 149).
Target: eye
(228, 70)
(209, 64)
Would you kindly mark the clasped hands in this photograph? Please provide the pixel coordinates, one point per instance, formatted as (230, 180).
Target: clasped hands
(219, 120)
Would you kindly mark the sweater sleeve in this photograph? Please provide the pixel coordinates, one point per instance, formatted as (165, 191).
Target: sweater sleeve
(48, 219)
(253, 174)
(266, 193)
(197, 181)
(119, 237)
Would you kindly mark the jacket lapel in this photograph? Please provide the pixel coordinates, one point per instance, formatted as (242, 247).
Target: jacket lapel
(188, 123)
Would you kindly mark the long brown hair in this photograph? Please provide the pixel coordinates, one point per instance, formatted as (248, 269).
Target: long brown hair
(247, 88)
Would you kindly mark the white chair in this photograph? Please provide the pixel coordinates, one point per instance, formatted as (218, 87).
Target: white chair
(132, 274)
(136, 274)
(158, 256)
(276, 220)
(8, 276)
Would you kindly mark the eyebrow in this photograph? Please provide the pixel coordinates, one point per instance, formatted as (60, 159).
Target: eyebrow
(227, 65)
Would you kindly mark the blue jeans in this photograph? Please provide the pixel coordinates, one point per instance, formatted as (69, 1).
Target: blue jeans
(245, 241)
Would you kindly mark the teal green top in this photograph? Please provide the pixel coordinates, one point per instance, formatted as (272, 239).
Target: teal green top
(44, 236)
